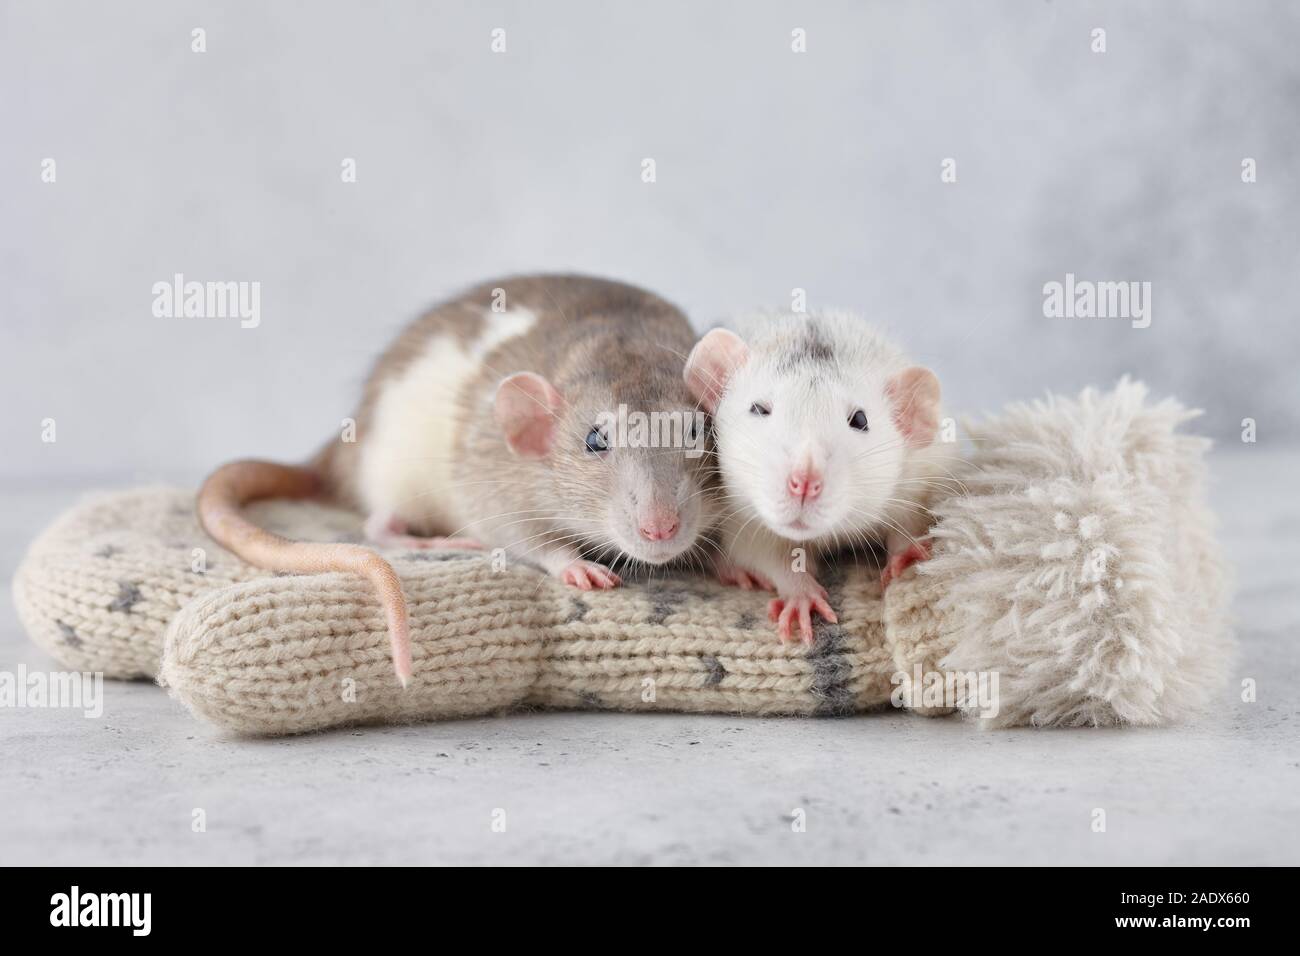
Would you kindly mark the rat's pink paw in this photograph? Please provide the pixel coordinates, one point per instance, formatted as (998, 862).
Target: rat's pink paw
(735, 576)
(799, 608)
(898, 563)
(588, 575)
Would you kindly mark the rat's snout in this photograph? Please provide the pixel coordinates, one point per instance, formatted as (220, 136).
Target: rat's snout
(659, 516)
(805, 481)
(658, 523)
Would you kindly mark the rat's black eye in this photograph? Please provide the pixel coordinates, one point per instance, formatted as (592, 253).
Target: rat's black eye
(596, 443)
(758, 408)
(858, 420)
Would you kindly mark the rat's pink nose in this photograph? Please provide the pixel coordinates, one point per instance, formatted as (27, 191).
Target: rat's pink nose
(660, 526)
(805, 484)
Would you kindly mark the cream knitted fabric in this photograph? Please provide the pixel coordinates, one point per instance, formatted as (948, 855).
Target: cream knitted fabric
(1079, 568)
(296, 654)
(100, 585)
(263, 653)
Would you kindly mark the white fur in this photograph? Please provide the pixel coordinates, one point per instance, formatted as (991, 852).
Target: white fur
(1082, 565)
(406, 460)
(875, 486)
(757, 453)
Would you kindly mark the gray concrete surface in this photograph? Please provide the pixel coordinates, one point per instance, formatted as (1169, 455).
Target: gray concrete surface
(612, 788)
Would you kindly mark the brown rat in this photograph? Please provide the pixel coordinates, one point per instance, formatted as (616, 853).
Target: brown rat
(495, 420)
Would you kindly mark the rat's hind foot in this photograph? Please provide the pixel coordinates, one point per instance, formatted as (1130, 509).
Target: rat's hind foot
(733, 575)
(898, 563)
(444, 544)
(588, 575)
(391, 532)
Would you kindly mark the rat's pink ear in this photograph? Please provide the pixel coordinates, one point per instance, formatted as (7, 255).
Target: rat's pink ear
(710, 365)
(526, 408)
(914, 395)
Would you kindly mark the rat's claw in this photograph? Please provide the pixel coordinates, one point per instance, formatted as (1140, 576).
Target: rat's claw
(587, 575)
(784, 621)
(607, 578)
(823, 607)
(782, 613)
(898, 563)
(800, 608)
(805, 621)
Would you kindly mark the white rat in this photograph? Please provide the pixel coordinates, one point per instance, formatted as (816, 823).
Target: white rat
(825, 439)
(491, 422)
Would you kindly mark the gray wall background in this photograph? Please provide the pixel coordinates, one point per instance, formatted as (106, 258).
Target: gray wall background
(775, 171)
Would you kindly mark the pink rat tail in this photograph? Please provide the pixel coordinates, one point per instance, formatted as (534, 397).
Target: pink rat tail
(233, 485)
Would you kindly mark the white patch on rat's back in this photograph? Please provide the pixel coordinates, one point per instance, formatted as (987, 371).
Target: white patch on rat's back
(406, 460)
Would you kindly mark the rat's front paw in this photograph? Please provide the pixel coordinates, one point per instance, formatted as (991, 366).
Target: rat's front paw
(788, 609)
(589, 575)
(900, 562)
(733, 575)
